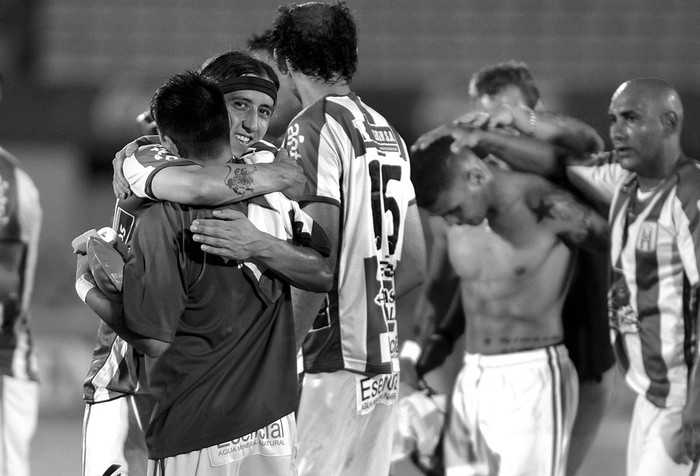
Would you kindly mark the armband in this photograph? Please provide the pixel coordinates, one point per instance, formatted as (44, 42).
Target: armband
(83, 286)
(411, 351)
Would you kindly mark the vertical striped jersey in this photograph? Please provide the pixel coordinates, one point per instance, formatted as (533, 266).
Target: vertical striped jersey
(115, 368)
(20, 223)
(655, 253)
(355, 159)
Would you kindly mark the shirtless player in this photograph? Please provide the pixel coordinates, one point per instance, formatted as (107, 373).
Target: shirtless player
(515, 399)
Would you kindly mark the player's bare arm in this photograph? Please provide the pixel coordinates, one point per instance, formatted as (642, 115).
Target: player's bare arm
(215, 185)
(411, 269)
(231, 235)
(519, 152)
(575, 223)
(112, 311)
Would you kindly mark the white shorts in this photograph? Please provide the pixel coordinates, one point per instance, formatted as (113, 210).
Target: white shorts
(346, 423)
(269, 451)
(512, 414)
(19, 400)
(113, 436)
(655, 432)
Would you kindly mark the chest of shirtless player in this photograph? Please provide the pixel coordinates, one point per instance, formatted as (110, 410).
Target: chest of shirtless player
(511, 241)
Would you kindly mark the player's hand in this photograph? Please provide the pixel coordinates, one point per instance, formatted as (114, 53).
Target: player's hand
(477, 119)
(434, 354)
(119, 182)
(690, 419)
(230, 235)
(464, 136)
(292, 173)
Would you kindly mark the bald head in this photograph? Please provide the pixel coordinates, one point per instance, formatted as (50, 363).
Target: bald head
(657, 93)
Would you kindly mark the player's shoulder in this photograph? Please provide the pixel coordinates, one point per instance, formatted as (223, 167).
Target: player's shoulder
(153, 154)
(688, 179)
(260, 152)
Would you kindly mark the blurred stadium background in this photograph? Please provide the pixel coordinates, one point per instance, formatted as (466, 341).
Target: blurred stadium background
(77, 72)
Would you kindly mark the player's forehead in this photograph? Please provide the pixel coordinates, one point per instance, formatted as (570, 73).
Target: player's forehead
(630, 99)
(510, 95)
(250, 96)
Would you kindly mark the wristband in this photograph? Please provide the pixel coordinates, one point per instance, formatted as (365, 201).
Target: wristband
(411, 351)
(83, 286)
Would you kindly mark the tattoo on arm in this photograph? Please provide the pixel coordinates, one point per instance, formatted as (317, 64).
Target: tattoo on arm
(240, 179)
(574, 217)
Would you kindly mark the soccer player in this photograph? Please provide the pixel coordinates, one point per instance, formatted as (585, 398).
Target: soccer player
(515, 399)
(359, 190)
(510, 88)
(219, 334)
(653, 190)
(20, 223)
(118, 403)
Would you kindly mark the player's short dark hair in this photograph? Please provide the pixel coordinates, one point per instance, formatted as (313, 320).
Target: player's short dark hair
(318, 39)
(236, 63)
(190, 109)
(431, 170)
(493, 79)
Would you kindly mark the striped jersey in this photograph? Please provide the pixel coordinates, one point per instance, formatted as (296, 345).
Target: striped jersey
(115, 369)
(20, 223)
(353, 158)
(655, 253)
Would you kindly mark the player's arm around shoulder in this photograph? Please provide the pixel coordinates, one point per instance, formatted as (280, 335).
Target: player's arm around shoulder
(574, 222)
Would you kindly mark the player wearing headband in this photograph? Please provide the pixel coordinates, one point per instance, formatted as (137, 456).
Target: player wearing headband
(219, 334)
(113, 426)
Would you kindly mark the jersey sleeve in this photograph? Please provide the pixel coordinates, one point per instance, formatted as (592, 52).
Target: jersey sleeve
(141, 167)
(311, 144)
(30, 214)
(155, 293)
(687, 219)
(597, 179)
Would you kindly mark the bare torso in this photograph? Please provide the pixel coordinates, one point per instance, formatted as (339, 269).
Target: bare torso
(513, 283)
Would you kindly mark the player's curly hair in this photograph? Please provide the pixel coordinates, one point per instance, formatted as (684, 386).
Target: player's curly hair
(318, 39)
(493, 79)
(431, 171)
(190, 109)
(236, 63)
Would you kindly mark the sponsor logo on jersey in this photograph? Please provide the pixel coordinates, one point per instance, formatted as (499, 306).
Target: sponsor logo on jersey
(383, 388)
(380, 137)
(125, 224)
(271, 440)
(646, 240)
(294, 140)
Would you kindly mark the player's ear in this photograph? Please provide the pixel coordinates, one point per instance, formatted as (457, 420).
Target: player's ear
(670, 122)
(280, 61)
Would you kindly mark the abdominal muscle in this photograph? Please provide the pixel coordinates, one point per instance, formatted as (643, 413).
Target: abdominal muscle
(512, 296)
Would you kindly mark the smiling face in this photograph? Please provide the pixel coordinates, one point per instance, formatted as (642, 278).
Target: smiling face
(636, 129)
(249, 114)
